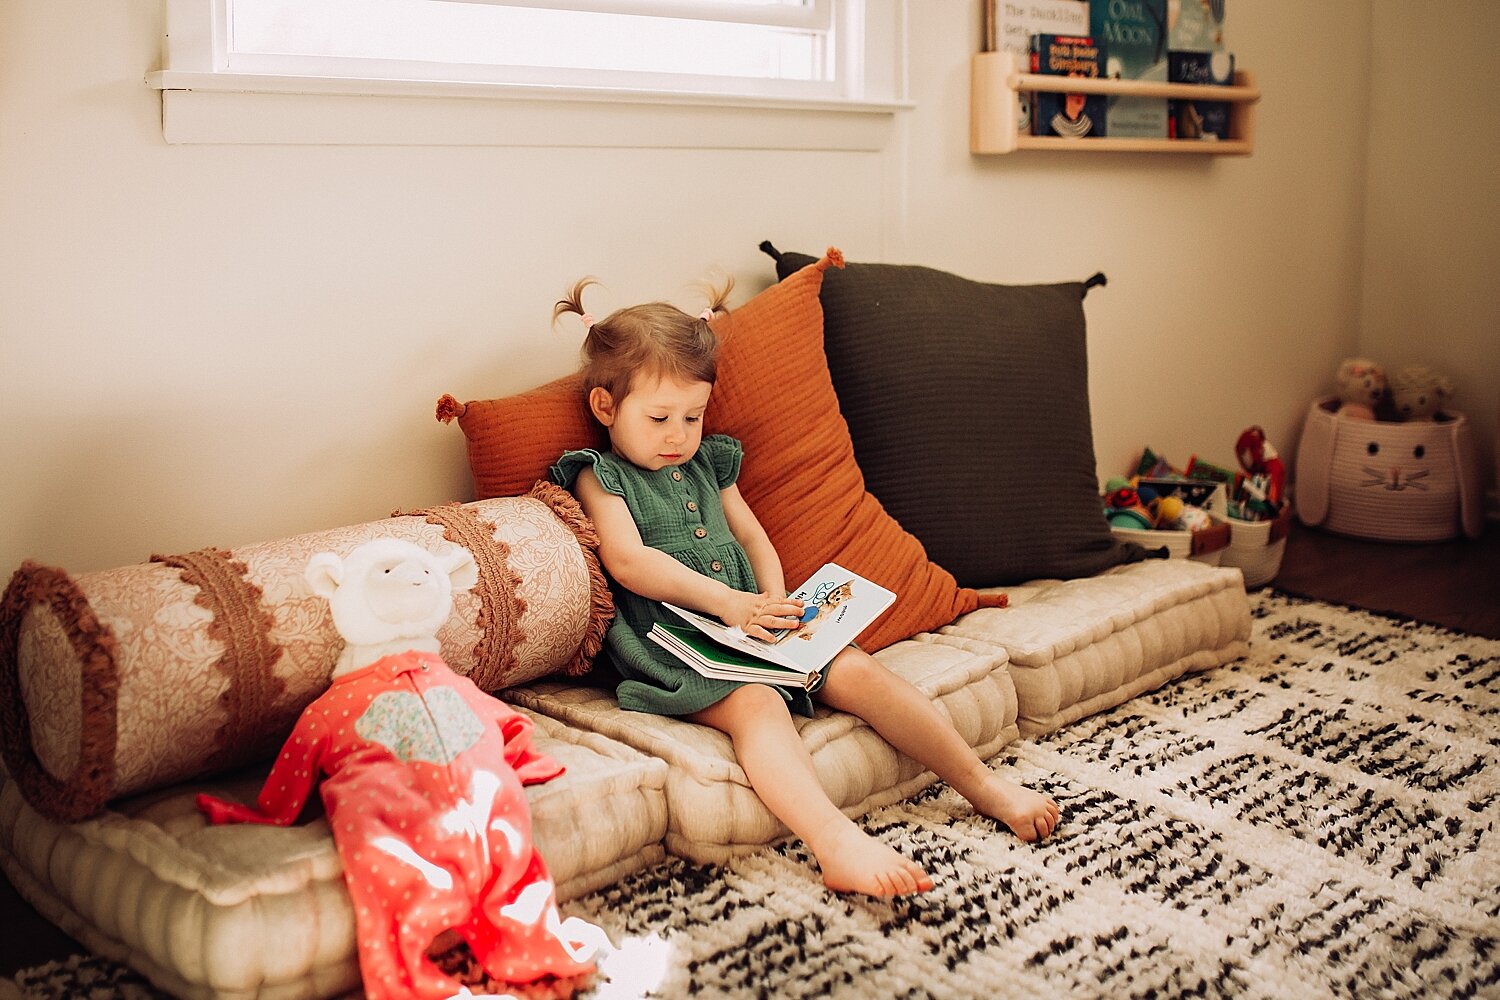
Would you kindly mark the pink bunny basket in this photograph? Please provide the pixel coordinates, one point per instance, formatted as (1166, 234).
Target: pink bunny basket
(1411, 481)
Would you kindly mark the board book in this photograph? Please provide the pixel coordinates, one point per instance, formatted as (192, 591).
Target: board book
(1070, 115)
(1133, 35)
(1199, 119)
(840, 605)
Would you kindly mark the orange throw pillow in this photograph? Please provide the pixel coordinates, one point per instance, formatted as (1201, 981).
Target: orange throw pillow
(799, 474)
(514, 441)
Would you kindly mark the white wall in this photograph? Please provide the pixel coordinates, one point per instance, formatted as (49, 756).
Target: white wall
(215, 345)
(1432, 247)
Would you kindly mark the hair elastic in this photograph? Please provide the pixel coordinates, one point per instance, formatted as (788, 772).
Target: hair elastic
(707, 315)
(588, 321)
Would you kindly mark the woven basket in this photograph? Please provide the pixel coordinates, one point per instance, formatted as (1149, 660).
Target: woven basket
(1256, 547)
(1416, 481)
(1206, 545)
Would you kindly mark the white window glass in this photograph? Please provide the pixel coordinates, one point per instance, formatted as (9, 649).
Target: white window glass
(786, 74)
(666, 44)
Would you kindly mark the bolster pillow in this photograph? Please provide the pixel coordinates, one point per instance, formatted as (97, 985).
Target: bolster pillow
(132, 679)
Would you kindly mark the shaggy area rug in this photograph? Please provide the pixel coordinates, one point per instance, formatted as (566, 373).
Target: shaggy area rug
(1315, 820)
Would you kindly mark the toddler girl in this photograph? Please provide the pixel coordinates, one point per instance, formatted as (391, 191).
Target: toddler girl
(673, 527)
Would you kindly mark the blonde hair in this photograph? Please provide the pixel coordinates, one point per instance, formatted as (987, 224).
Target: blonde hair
(656, 338)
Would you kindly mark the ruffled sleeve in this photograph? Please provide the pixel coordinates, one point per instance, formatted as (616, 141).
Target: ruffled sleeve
(565, 472)
(724, 454)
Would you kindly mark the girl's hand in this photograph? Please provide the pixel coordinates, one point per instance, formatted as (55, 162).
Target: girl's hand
(757, 614)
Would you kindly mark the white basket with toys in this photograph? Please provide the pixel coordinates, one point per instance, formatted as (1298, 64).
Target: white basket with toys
(1160, 508)
(1402, 470)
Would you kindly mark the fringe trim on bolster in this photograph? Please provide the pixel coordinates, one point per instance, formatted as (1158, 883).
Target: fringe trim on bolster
(448, 408)
(242, 624)
(83, 793)
(602, 605)
(994, 600)
(500, 606)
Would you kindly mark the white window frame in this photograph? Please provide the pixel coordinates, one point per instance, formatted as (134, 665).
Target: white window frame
(203, 101)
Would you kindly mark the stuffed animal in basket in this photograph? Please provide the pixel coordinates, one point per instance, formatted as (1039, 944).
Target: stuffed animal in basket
(1361, 388)
(423, 789)
(1267, 472)
(1418, 392)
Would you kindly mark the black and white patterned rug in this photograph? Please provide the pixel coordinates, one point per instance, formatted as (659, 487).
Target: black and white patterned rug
(1316, 820)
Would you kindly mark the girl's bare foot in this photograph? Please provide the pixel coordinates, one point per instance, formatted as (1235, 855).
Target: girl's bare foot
(853, 861)
(1031, 815)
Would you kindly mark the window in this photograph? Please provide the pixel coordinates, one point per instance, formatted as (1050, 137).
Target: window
(811, 55)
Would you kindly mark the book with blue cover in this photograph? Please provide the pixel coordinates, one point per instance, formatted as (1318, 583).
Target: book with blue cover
(1133, 34)
(1200, 119)
(1072, 116)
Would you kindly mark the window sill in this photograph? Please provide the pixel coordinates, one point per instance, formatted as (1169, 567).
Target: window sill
(222, 108)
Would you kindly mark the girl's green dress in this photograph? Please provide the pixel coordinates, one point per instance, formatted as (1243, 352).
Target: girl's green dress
(678, 511)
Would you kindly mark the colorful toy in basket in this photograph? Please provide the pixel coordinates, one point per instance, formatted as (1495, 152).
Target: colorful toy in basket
(1264, 489)
(1123, 507)
(423, 789)
(1176, 514)
(1165, 511)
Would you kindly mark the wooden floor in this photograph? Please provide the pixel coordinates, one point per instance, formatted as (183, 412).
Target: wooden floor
(1454, 583)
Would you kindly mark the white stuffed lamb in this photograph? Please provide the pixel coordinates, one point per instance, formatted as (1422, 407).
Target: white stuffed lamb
(389, 596)
(423, 788)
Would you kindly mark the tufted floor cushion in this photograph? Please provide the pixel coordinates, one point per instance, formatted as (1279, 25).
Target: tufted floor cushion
(713, 812)
(1077, 647)
(256, 911)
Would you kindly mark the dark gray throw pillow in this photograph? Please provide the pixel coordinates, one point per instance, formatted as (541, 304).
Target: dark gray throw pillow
(968, 406)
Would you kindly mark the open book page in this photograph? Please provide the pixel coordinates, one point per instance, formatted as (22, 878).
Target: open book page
(840, 604)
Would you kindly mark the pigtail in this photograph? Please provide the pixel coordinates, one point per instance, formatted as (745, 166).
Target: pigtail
(572, 302)
(718, 297)
(655, 338)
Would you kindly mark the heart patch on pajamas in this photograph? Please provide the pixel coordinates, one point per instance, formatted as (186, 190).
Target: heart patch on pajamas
(434, 728)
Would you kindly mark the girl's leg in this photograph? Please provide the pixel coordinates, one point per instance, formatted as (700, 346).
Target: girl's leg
(757, 721)
(909, 721)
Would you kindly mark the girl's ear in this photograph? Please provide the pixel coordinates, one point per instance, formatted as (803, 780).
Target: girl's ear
(602, 404)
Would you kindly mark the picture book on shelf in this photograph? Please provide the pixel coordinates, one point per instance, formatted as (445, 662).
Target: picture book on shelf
(1198, 27)
(1197, 119)
(1133, 34)
(839, 604)
(1070, 115)
(1010, 25)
